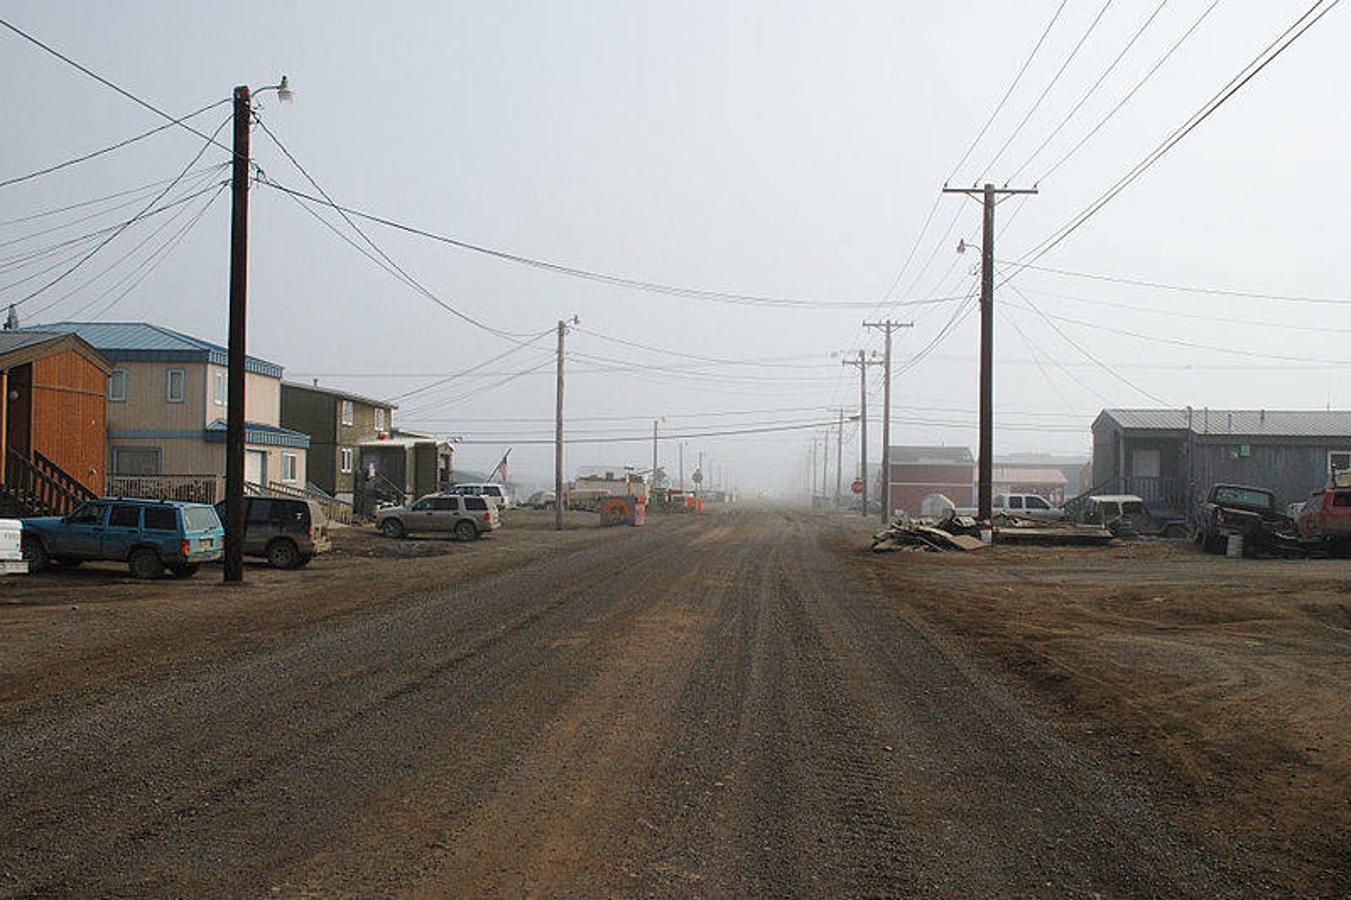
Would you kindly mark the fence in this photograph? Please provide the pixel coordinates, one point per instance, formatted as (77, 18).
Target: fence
(192, 488)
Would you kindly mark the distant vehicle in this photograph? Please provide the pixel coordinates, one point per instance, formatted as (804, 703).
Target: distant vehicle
(148, 535)
(466, 517)
(484, 489)
(1238, 509)
(287, 531)
(542, 500)
(1027, 506)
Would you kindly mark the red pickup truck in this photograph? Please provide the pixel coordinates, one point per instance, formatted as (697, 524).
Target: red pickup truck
(1326, 516)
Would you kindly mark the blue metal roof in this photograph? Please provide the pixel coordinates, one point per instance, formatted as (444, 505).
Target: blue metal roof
(143, 341)
(259, 433)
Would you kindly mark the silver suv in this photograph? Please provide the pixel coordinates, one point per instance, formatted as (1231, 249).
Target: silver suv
(464, 517)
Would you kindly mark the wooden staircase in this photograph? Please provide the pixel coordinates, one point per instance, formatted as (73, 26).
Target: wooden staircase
(38, 487)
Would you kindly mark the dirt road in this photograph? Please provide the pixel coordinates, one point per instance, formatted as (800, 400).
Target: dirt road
(720, 706)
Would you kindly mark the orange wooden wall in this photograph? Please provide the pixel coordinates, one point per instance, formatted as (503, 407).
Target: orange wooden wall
(70, 416)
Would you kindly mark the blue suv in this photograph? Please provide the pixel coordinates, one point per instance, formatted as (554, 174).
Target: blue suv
(148, 535)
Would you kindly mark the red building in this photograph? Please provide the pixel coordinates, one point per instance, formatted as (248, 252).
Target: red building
(917, 472)
(53, 408)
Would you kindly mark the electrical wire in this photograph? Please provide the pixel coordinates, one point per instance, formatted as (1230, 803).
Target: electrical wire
(145, 188)
(1192, 289)
(1111, 66)
(1036, 104)
(1012, 85)
(1268, 55)
(1205, 13)
(111, 147)
(407, 278)
(123, 227)
(588, 274)
(1199, 317)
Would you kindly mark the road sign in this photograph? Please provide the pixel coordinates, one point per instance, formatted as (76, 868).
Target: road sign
(697, 477)
(856, 487)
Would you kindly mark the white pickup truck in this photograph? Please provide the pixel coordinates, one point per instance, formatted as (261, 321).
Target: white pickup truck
(1028, 506)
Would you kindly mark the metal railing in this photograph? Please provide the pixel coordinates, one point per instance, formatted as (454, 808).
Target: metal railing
(336, 510)
(191, 488)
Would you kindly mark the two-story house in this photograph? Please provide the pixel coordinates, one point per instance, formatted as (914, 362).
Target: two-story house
(167, 403)
(338, 423)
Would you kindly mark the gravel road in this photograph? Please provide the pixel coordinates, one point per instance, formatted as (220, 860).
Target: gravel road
(713, 706)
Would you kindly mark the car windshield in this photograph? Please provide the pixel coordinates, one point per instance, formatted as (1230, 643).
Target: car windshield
(1248, 498)
(200, 518)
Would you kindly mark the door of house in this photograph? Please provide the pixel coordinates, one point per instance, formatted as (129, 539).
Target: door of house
(255, 466)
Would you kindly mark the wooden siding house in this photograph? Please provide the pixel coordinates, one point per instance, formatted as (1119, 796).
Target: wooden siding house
(52, 421)
(166, 402)
(338, 423)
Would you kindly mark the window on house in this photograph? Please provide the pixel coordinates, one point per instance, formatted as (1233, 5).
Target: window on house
(136, 460)
(220, 391)
(175, 385)
(345, 460)
(347, 418)
(379, 419)
(117, 386)
(289, 467)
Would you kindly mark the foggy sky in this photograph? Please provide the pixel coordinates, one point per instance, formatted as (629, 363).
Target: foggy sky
(789, 150)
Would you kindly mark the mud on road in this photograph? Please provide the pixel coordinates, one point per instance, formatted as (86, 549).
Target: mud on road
(739, 703)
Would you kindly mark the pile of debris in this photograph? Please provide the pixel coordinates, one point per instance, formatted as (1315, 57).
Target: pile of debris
(951, 532)
(1016, 529)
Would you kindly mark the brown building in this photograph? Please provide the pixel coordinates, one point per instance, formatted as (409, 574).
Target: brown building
(400, 467)
(338, 423)
(53, 408)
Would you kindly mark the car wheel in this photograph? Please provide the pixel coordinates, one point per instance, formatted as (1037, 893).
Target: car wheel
(144, 563)
(186, 571)
(282, 554)
(36, 554)
(466, 531)
(393, 528)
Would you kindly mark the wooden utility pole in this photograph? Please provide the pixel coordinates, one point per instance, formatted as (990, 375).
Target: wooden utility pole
(558, 432)
(239, 266)
(887, 328)
(990, 196)
(653, 486)
(825, 461)
(862, 363)
(839, 456)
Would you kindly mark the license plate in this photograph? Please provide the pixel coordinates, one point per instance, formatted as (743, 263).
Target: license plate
(207, 542)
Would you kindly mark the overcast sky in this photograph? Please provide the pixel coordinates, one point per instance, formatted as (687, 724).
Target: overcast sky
(769, 149)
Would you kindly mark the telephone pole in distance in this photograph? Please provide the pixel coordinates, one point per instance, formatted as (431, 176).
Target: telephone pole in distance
(558, 428)
(887, 328)
(862, 363)
(991, 197)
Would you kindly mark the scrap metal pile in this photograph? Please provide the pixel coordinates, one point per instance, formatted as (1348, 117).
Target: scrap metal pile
(952, 532)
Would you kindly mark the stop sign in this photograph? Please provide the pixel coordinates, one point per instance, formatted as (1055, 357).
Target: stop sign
(857, 487)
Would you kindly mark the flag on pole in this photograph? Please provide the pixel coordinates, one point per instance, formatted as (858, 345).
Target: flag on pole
(500, 473)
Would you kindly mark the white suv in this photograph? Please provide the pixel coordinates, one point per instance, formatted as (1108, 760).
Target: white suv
(496, 491)
(1028, 506)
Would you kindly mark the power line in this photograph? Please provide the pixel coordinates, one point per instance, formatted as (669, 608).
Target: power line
(83, 203)
(1036, 104)
(1193, 289)
(440, 381)
(1250, 71)
(1012, 85)
(408, 279)
(589, 274)
(111, 147)
(1088, 93)
(1199, 317)
(180, 122)
(123, 227)
(1205, 13)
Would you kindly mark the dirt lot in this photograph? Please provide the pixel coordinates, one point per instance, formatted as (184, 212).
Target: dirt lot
(1223, 684)
(741, 703)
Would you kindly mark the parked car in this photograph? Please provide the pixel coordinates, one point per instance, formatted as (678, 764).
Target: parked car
(286, 531)
(483, 489)
(148, 535)
(1127, 515)
(1027, 506)
(466, 517)
(1239, 509)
